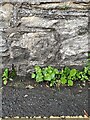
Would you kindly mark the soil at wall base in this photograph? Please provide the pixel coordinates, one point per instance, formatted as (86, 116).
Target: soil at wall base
(17, 100)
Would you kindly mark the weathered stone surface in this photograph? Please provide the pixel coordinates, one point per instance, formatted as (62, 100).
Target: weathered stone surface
(63, 5)
(5, 17)
(5, 12)
(45, 1)
(44, 32)
(37, 22)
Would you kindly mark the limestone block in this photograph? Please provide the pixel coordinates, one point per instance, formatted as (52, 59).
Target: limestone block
(5, 13)
(37, 22)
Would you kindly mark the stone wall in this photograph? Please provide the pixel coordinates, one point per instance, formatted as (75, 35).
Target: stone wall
(43, 32)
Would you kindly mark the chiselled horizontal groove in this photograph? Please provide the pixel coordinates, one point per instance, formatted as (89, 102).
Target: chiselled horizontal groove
(43, 28)
(21, 29)
(28, 1)
(41, 1)
(78, 2)
(69, 8)
(75, 2)
(51, 2)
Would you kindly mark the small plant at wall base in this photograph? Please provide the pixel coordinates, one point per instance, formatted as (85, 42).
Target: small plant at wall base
(8, 75)
(45, 74)
(66, 76)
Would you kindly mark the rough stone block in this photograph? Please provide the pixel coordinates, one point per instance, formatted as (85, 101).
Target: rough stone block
(5, 12)
(37, 22)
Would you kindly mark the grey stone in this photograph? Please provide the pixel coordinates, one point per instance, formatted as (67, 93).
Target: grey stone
(64, 5)
(4, 54)
(38, 1)
(43, 33)
(37, 22)
(5, 12)
(29, 87)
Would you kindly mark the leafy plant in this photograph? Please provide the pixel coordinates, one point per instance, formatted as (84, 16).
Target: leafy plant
(5, 76)
(65, 76)
(38, 75)
(45, 74)
(12, 72)
(8, 75)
